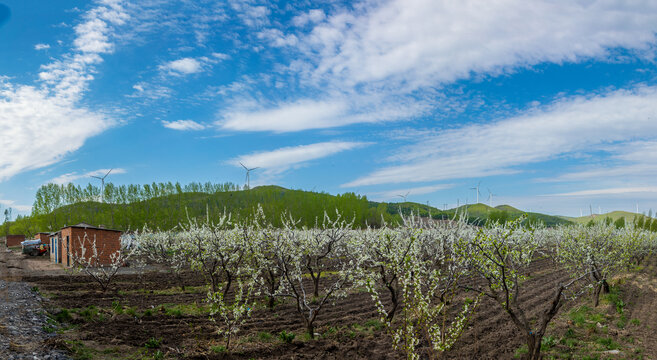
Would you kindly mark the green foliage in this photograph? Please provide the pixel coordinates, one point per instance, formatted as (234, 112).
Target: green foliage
(152, 343)
(286, 337)
(159, 206)
(63, 316)
(165, 205)
(218, 349)
(620, 223)
(91, 314)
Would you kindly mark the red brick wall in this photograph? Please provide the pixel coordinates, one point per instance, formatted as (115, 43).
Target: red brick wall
(107, 243)
(14, 240)
(45, 238)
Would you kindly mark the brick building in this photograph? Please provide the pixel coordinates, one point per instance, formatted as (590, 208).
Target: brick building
(12, 240)
(43, 236)
(69, 241)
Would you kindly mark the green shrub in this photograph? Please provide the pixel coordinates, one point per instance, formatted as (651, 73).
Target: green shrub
(152, 343)
(286, 337)
(218, 349)
(63, 316)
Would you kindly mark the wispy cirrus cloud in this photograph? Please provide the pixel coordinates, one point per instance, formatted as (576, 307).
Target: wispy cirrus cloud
(565, 126)
(393, 49)
(283, 159)
(611, 191)
(73, 176)
(41, 47)
(12, 204)
(418, 43)
(184, 66)
(308, 114)
(183, 125)
(54, 107)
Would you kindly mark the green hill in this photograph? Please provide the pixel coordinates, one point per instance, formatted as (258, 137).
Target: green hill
(481, 213)
(167, 211)
(508, 208)
(614, 215)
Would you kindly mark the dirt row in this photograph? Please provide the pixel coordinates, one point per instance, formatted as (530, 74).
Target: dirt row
(343, 325)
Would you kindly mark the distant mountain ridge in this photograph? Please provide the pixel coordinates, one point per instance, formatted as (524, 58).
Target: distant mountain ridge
(166, 212)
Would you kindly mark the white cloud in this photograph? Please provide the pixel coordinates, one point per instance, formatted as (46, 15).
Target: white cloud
(568, 125)
(277, 38)
(251, 15)
(221, 56)
(300, 115)
(311, 17)
(317, 114)
(417, 43)
(184, 66)
(12, 204)
(280, 160)
(612, 191)
(28, 112)
(41, 47)
(183, 125)
(72, 176)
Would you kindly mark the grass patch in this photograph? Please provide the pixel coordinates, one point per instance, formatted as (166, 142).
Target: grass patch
(79, 351)
(584, 315)
(91, 314)
(63, 316)
(286, 337)
(152, 343)
(179, 310)
(615, 298)
(265, 336)
(218, 349)
(608, 343)
(521, 351)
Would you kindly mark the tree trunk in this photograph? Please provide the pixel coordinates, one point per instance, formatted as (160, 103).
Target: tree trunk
(310, 327)
(605, 286)
(534, 346)
(316, 286)
(395, 303)
(596, 294)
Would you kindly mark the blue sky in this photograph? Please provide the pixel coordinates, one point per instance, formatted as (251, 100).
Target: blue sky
(551, 105)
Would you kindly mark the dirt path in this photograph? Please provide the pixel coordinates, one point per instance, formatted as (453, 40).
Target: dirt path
(642, 298)
(22, 318)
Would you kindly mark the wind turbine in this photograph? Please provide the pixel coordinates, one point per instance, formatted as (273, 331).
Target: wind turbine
(102, 186)
(490, 198)
(404, 196)
(477, 189)
(248, 177)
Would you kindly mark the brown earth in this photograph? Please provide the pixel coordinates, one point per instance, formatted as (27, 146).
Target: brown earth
(347, 329)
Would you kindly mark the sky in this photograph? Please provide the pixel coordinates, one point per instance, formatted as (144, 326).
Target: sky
(547, 105)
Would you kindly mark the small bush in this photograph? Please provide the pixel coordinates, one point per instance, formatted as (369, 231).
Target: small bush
(152, 343)
(117, 307)
(63, 316)
(264, 336)
(375, 324)
(547, 343)
(218, 349)
(286, 337)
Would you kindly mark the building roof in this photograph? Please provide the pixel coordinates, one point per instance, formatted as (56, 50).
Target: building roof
(87, 226)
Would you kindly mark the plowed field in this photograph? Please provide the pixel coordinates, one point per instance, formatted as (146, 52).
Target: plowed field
(153, 307)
